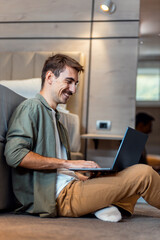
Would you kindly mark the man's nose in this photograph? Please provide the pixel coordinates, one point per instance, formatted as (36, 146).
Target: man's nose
(72, 87)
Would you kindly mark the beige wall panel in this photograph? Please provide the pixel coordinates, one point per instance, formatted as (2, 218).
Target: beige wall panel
(113, 84)
(44, 30)
(39, 62)
(115, 29)
(5, 60)
(28, 60)
(45, 10)
(125, 9)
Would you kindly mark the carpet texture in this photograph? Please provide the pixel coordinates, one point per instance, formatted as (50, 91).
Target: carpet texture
(143, 225)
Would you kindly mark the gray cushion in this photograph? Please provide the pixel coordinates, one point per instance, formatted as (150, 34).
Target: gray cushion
(6, 195)
(9, 100)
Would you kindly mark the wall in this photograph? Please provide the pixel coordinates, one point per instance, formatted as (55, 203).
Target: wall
(109, 43)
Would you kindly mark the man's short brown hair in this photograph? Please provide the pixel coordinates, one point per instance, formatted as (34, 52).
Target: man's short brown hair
(56, 64)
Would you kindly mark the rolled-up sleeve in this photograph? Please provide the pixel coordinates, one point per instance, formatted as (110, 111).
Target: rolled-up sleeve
(22, 131)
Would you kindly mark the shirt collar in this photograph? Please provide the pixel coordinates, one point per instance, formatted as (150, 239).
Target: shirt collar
(44, 102)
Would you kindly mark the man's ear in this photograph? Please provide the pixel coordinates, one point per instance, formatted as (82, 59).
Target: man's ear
(49, 76)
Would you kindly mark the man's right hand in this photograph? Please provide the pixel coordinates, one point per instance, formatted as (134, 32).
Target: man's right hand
(80, 164)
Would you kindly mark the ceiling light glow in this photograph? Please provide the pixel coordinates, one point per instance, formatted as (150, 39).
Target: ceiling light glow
(104, 7)
(107, 6)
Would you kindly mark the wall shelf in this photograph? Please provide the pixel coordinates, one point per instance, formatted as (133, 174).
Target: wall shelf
(101, 136)
(97, 137)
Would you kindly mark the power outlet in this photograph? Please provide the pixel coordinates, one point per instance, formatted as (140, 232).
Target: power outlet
(103, 125)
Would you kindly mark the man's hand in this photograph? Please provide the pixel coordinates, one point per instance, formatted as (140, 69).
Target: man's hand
(81, 177)
(80, 164)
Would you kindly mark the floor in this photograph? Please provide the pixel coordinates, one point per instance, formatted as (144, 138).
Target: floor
(144, 224)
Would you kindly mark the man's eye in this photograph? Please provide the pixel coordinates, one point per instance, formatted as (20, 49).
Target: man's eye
(69, 81)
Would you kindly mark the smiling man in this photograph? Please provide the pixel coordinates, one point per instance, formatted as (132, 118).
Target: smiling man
(37, 149)
(37, 143)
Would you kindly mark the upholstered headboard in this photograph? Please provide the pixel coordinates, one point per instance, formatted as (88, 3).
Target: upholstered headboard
(28, 66)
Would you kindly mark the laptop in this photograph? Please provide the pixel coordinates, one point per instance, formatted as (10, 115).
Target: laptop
(128, 154)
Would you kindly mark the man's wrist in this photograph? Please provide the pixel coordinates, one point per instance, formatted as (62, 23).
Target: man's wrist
(63, 163)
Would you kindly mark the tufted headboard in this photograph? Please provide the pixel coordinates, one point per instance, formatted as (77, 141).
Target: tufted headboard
(28, 65)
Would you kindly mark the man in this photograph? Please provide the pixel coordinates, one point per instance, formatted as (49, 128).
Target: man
(144, 122)
(37, 149)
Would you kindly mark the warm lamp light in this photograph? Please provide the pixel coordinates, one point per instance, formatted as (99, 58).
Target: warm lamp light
(108, 6)
(104, 8)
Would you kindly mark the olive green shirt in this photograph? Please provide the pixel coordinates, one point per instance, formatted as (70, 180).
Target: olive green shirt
(31, 128)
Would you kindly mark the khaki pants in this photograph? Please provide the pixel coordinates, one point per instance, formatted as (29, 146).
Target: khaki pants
(122, 189)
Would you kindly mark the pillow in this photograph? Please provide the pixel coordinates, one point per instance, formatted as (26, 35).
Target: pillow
(6, 196)
(9, 100)
(71, 123)
(26, 88)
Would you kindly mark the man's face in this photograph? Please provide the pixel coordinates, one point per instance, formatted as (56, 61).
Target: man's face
(147, 128)
(64, 86)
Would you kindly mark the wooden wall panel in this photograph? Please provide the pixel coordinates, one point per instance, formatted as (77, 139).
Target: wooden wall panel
(45, 10)
(115, 29)
(45, 30)
(113, 84)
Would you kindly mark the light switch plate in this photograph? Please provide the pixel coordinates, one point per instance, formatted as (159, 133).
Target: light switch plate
(103, 124)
